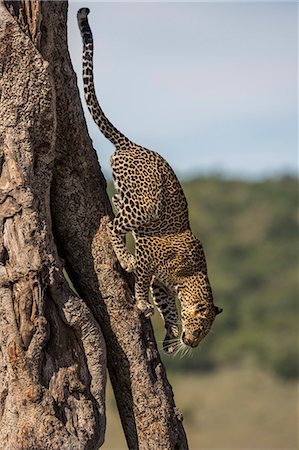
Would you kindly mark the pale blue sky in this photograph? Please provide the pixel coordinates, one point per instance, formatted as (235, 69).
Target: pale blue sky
(213, 87)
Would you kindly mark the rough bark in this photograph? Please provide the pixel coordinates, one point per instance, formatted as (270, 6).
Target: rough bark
(54, 197)
(52, 352)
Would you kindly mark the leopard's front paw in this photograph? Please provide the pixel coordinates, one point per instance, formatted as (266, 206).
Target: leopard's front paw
(146, 308)
(171, 341)
(169, 347)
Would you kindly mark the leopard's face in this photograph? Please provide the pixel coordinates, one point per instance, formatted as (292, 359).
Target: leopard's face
(197, 323)
(198, 311)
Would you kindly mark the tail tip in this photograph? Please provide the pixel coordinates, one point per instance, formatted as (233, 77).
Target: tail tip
(83, 13)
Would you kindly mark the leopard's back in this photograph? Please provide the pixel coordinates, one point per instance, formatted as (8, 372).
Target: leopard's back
(148, 186)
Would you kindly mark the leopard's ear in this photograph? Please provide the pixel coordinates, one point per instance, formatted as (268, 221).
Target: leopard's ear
(218, 310)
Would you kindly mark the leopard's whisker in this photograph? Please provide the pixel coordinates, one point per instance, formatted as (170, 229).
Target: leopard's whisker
(169, 344)
(184, 350)
(168, 341)
(179, 348)
(175, 346)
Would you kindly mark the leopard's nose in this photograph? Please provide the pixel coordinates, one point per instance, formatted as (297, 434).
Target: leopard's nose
(191, 341)
(185, 340)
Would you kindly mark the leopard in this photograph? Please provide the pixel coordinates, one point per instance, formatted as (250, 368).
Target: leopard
(149, 203)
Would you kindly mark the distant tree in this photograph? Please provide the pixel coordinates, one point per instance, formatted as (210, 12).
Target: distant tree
(54, 208)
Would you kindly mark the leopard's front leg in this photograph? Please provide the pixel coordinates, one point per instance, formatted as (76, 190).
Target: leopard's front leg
(142, 284)
(164, 299)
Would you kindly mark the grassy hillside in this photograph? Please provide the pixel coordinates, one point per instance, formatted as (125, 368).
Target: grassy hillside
(250, 235)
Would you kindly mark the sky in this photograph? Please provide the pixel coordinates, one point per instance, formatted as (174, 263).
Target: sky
(212, 87)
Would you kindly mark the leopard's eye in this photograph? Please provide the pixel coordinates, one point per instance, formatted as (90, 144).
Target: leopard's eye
(197, 333)
(201, 310)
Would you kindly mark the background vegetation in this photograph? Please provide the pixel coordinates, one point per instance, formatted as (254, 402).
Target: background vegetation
(250, 234)
(239, 389)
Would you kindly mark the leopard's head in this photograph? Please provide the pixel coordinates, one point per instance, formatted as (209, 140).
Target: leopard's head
(198, 311)
(197, 323)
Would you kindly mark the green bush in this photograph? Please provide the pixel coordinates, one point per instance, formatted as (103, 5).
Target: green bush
(286, 365)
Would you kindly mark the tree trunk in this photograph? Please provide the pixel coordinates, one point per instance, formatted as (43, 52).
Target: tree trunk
(52, 360)
(54, 201)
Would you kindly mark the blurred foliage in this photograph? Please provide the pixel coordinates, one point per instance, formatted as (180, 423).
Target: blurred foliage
(250, 234)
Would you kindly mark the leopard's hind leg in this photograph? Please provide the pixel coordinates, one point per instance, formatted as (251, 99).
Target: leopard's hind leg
(164, 299)
(125, 258)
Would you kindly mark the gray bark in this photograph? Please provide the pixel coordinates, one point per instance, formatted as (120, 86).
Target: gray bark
(54, 201)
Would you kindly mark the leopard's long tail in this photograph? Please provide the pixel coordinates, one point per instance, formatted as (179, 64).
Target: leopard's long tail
(109, 131)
